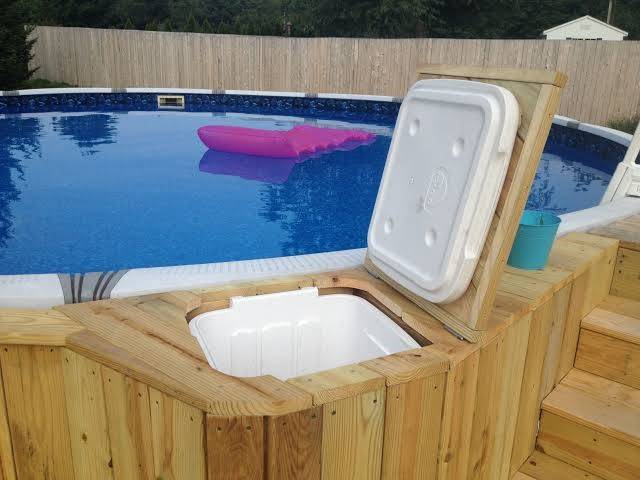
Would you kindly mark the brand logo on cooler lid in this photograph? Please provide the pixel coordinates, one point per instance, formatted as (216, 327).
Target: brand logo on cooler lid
(437, 188)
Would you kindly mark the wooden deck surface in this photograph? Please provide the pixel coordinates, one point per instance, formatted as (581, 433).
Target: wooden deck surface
(480, 401)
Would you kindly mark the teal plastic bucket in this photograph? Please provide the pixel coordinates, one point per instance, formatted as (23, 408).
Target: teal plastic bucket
(534, 239)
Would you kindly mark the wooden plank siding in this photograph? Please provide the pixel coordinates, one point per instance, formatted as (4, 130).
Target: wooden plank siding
(599, 87)
(7, 465)
(294, 445)
(178, 438)
(448, 410)
(352, 435)
(413, 420)
(626, 278)
(37, 411)
(590, 450)
(235, 447)
(129, 425)
(71, 417)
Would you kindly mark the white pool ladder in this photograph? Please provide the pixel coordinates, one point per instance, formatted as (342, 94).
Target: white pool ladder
(626, 179)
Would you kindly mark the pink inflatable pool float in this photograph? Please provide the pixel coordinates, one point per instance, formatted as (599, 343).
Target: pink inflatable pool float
(249, 167)
(302, 140)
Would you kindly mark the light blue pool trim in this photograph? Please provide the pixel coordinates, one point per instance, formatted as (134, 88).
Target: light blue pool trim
(47, 290)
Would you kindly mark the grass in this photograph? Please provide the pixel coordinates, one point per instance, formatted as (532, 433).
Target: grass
(43, 83)
(627, 124)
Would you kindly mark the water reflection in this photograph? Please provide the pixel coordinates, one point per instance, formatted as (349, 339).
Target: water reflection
(248, 167)
(87, 131)
(19, 140)
(543, 190)
(567, 181)
(326, 203)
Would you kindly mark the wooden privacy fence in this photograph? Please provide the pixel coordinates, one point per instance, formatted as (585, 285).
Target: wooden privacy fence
(603, 76)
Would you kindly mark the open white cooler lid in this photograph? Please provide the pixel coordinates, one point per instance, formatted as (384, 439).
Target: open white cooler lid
(440, 187)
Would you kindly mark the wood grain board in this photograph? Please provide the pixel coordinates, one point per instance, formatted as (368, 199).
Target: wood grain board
(609, 357)
(338, 383)
(626, 277)
(35, 327)
(554, 349)
(178, 438)
(129, 423)
(352, 436)
(37, 411)
(73, 418)
(530, 396)
(588, 450)
(609, 343)
(88, 428)
(545, 467)
(625, 230)
(599, 404)
(235, 447)
(412, 425)
(7, 466)
(294, 445)
(621, 306)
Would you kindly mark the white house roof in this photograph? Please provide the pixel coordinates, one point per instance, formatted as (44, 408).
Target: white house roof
(586, 17)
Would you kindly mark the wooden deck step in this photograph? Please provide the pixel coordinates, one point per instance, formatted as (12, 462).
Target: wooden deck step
(544, 467)
(594, 424)
(521, 476)
(609, 344)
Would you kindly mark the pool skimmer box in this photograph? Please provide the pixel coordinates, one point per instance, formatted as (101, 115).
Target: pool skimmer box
(171, 102)
(444, 172)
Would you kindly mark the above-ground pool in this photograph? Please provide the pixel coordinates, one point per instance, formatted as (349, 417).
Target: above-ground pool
(96, 182)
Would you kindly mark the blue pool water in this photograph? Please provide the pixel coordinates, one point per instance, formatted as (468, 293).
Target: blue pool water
(99, 191)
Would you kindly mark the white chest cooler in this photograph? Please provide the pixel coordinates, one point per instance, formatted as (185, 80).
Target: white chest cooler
(442, 179)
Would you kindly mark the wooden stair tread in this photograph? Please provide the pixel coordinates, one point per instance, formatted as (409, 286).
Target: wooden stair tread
(597, 403)
(621, 305)
(626, 230)
(521, 476)
(616, 317)
(544, 467)
(609, 343)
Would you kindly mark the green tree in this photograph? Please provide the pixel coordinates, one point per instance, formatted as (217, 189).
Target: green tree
(206, 26)
(369, 18)
(166, 26)
(128, 25)
(141, 12)
(80, 13)
(192, 24)
(348, 18)
(15, 45)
